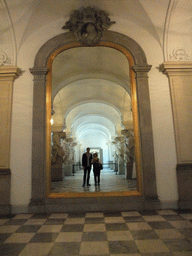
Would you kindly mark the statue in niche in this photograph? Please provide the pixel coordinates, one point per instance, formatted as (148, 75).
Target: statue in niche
(57, 150)
(57, 154)
(119, 148)
(129, 145)
(129, 154)
(68, 147)
(65, 146)
(88, 24)
(120, 153)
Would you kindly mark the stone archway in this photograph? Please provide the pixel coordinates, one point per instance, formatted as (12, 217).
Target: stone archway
(147, 198)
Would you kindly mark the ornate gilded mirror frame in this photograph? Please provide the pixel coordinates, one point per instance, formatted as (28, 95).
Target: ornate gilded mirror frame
(145, 196)
(135, 121)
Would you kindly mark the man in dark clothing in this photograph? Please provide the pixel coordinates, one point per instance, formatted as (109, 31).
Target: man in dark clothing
(86, 163)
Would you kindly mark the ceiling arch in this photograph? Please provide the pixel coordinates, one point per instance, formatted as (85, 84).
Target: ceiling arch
(93, 128)
(93, 115)
(94, 107)
(100, 75)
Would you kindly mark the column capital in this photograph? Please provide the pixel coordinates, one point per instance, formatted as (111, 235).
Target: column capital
(141, 71)
(9, 72)
(177, 68)
(39, 71)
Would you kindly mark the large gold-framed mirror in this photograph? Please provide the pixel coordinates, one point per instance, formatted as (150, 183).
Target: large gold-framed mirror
(92, 102)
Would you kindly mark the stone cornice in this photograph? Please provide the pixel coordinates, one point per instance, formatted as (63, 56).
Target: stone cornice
(39, 70)
(138, 68)
(141, 71)
(174, 68)
(9, 72)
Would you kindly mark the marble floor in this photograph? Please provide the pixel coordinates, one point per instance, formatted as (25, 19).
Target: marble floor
(127, 233)
(110, 181)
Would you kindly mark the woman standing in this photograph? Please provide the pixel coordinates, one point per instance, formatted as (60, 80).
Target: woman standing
(96, 168)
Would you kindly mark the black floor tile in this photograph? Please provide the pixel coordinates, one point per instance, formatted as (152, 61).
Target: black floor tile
(94, 220)
(4, 236)
(134, 219)
(94, 236)
(44, 238)
(122, 247)
(187, 232)
(11, 249)
(116, 227)
(65, 249)
(28, 229)
(178, 245)
(172, 217)
(160, 224)
(15, 222)
(144, 234)
(73, 228)
(54, 222)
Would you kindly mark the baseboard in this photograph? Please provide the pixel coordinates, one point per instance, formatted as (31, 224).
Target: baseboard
(16, 209)
(185, 204)
(169, 204)
(5, 209)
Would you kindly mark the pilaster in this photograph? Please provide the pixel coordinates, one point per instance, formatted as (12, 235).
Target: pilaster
(7, 77)
(180, 82)
(39, 134)
(146, 137)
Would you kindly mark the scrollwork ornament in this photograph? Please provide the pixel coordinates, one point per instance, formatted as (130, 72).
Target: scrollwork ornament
(3, 58)
(88, 24)
(180, 55)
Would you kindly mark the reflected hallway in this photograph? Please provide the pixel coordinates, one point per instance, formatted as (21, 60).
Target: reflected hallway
(110, 182)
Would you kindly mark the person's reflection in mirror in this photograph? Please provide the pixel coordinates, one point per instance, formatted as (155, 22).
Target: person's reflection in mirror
(96, 169)
(86, 163)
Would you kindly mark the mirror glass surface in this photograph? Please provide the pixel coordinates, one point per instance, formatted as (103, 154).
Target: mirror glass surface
(92, 107)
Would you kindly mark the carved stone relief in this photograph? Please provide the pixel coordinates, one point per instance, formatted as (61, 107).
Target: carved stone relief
(179, 55)
(88, 24)
(3, 58)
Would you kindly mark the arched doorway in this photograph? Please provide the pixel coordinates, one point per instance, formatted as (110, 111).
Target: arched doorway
(42, 199)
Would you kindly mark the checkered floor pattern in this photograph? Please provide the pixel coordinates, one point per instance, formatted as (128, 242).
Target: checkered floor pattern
(163, 232)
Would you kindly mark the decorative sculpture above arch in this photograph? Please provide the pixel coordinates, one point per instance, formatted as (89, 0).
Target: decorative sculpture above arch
(87, 24)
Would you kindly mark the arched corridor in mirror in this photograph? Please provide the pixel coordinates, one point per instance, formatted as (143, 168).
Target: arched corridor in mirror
(92, 107)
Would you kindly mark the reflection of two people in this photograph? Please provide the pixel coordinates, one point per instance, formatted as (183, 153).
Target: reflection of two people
(87, 160)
